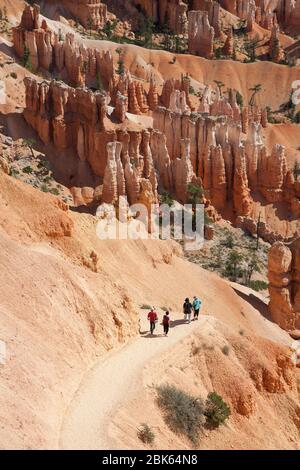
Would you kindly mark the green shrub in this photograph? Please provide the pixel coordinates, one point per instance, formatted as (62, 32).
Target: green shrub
(239, 99)
(226, 350)
(166, 198)
(145, 434)
(183, 413)
(44, 188)
(54, 191)
(27, 170)
(14, 75)
(296, 118)
(216, 411)
(146, 307)
(258, 285)
(229, 241)
(195, 350)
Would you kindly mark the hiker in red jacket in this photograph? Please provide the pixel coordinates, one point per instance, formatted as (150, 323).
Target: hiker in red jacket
(152, 317)
(166, 323)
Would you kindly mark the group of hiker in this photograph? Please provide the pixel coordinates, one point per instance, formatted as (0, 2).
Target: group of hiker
(188, 309)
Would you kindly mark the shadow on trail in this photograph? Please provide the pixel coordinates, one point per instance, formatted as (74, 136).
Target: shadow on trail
(175, 323)
(150, 336)
(146, 334)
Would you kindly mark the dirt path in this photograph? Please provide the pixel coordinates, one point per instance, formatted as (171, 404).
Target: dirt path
(114, 381)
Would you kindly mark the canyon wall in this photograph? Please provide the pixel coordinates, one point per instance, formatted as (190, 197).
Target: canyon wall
(284, 284)
(90, 13)
(218, 146)
(201, 34)
(206, 148)
(76, 64)
(42, 48)
(227, 152)
(168, 12)
(266, 13)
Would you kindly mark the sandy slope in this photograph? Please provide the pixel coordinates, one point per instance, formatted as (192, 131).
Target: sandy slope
(58, 316)
(14, 9)
(118, 393)
(276, 80)
(113, 381)
(244, 377)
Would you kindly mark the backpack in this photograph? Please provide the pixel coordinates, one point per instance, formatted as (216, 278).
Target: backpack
(187, 308)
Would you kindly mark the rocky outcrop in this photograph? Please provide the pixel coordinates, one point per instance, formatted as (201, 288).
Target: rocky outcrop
(48, 50)
(183, 172)
(90, 13)
(69, 118)
(170, 12)
(276, 53)
(264, 231)
(121, 107)
(138, 100)
(152, 95)
(201, 34)
(169, 94)
(228, 48)
(219, 148)
(284, 284)
(266, 13)
(214, 12)
(244, 9)
(272, 174)
(114, 179)
(230, 168)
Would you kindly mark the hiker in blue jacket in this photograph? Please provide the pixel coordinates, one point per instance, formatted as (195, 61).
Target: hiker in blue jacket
(196, 307)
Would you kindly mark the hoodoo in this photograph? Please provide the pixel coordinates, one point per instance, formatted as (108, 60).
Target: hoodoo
(150, 226)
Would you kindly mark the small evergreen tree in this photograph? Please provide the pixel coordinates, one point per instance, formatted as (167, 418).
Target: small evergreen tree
(29, 143)
(90, 24)
(109, 28)
(239, 99)
(255, 90)
(121, 67)
(166, 198)
(233, 265)
(217, 410)
(250, 46)
(195, 194)
(26, 56)
(252, 265)
(296, 170)
(220, 86)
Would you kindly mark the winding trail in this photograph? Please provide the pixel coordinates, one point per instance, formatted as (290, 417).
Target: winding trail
(113, 381)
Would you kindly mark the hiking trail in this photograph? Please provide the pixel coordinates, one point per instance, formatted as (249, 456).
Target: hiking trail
(115, 380)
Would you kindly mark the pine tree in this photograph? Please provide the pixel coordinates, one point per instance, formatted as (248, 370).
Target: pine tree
(121, 67)
(296, 170)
